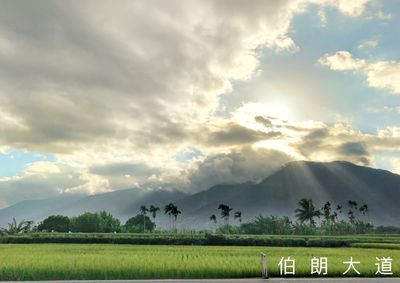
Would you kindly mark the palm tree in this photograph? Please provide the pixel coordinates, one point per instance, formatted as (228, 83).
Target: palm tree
(153, 210)
(168, 210)
(307, 211)
(143, 211)
(238, 215)
(364, 209)
(352, 206)
(175, 212)
(225, 212)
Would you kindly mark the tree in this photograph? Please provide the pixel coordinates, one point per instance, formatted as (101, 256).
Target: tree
(225, 213)
(175, 212)
(143, 211)
(109, 223)
(153, 210)
(351, 213)
(327, 211)
(268, 225)
(364, 209)
(135, 224)
(168, 210)
(57, 223)
(17, 228)
(89, 222)
(307, 211)
(238, 215)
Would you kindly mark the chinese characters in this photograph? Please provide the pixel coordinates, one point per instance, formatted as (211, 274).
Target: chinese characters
(319, 266)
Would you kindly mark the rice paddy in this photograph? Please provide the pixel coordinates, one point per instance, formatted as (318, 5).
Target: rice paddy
(107, 261)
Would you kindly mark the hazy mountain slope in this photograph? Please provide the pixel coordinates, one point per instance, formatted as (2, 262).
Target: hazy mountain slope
(279, 193)
(122, 204)
(37, 209)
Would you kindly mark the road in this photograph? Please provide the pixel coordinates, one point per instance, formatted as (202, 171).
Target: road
(272, 280)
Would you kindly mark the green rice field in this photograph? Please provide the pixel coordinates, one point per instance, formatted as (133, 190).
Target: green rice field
(108, 261)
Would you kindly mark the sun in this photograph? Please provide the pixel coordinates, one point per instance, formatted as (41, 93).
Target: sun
(278, 109)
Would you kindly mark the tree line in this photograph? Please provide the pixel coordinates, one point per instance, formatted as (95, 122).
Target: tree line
(331, 219)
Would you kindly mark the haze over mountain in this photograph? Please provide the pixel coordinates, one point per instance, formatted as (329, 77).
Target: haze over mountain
(277, 194)
(122, 204)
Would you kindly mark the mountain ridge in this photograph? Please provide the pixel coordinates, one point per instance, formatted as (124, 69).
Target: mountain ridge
(277, 194)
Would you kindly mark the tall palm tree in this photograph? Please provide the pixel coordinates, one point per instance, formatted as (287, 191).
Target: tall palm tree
(168, 210)
(364, 209)
(352, 206)
(238, 215)
(225, 212)
(143, 211)
(307, 211)
(175, 212)
(153, 210)
(327, 211)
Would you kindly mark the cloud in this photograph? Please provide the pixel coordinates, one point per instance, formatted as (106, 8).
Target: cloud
(89, 73)
(369, 43)
(384, 75)
(114, 92)
(234, 134)
(117, 75)
(342, 61)
(334, 143)
(396, 165)
(350, 8)
(384, 109)
(263, 121)
(381, 74)
(238, 166)
(39, 180)
(124, 175)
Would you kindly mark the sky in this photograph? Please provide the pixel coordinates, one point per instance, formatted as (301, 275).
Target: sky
(97, 96)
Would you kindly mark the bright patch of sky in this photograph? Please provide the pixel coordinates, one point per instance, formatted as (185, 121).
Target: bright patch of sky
(295, 80)
(14, 162)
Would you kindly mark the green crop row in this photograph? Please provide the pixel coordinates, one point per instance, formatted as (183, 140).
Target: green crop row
(200, 239)
(178, 239)
(107, 262)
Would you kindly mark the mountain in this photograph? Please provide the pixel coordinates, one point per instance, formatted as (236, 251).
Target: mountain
(279, 194)
(122, 204)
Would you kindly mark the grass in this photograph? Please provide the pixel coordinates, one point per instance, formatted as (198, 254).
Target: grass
(107, 261)
(391, 246)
